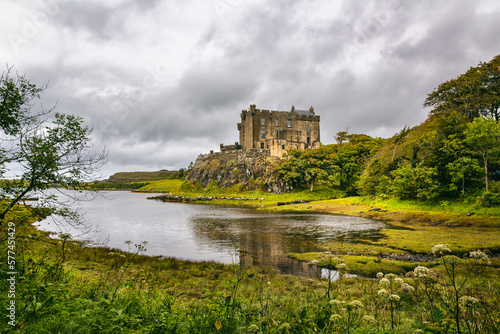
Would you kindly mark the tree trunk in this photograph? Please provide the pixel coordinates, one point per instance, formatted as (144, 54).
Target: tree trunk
(486, 173)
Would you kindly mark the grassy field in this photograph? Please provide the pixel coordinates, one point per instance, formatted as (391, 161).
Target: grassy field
(402, 286)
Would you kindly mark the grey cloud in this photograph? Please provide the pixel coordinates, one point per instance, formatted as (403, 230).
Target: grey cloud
(368, 67)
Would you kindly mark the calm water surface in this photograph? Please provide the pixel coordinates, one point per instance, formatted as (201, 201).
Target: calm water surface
(204, 232)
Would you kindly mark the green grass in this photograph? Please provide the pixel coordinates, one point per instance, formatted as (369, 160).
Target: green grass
(98, 290)
(183, 188)
(456, 207)
(142, 176)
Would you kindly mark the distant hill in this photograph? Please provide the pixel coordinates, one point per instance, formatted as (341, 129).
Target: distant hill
(142, 176)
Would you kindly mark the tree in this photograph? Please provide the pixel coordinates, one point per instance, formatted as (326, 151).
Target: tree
(483, 137)
(474, 93)
(418, 182)
(463, 166)
(304, 167)
(42, 148)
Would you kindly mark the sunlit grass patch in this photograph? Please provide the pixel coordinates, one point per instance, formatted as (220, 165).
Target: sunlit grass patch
(356, 248)
(461, 240)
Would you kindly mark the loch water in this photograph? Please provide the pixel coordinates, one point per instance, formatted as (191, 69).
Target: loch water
(209, 233)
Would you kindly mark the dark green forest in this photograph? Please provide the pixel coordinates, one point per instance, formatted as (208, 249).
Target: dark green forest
(453, 154)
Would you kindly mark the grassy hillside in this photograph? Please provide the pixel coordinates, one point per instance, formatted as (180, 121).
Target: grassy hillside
(142, 176)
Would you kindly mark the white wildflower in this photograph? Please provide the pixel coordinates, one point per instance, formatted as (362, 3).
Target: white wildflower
(480, 255)
(335, 317)
(407, 287)
(380, 275)
(468, 301)
(440, 249)
(394, 298)
(383, 293)
(384, 282)
(355, 303)
(421, 271)
(399, 281)
(335, 302)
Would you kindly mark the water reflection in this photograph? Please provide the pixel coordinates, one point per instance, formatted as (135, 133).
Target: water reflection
(203, 232)
(267, 237)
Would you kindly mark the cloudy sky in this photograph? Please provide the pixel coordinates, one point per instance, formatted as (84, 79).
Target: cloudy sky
(162, 81)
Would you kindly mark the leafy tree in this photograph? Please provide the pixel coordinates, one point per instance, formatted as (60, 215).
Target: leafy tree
(349, 160)
(418, 182)
(304, 167)
(463, 166)
(338, 165)
(42, 148)
(474, 93)
(483, 136)
(342, 136)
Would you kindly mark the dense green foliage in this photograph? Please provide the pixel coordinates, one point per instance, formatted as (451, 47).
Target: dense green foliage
(454, 154)
(472, 94)
(336, 165)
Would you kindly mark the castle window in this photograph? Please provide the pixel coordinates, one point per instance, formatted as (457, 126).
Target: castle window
(276, 122)
(282, 147)
(289, 123)
(262, 134)
(276, 134)
(308, 129)
(262, 121)
(291, 138)
(308, 140)
(261, 146)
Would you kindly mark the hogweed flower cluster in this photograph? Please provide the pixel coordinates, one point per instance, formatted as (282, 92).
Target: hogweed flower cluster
(394, 297)
(354, 304)
(468, 301)
(440, 249)
(407, 287)
(335, 317)
(421, 271)
(383, 293)
(480, 255)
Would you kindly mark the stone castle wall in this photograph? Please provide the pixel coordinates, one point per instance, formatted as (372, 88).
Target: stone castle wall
(279, 131)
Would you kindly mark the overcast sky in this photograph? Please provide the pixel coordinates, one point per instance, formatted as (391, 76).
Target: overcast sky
(162, 81)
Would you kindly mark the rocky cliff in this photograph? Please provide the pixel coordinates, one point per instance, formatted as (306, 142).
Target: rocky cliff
(250, 168)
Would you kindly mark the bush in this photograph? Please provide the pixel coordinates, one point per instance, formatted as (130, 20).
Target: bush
(488, 199)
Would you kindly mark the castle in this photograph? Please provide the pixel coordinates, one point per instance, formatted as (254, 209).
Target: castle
(277, 131)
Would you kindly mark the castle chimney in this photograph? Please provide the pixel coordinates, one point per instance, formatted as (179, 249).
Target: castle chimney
(311, 110)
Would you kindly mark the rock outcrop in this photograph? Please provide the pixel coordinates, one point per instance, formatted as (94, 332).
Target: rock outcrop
(250, 168)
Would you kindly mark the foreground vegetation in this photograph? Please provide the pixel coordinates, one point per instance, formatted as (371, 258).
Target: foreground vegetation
(64, 287)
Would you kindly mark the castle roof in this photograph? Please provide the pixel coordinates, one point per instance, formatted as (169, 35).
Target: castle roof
(303, 112)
